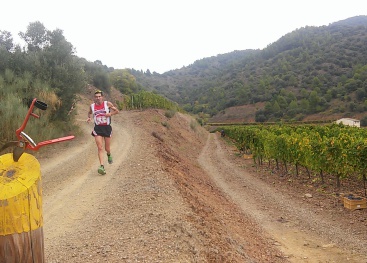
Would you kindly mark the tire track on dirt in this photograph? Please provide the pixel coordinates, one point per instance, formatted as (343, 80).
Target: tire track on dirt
(79, 186)
(279, 215)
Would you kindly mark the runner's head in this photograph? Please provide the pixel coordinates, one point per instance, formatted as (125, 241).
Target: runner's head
(98, 96)
(100, 92)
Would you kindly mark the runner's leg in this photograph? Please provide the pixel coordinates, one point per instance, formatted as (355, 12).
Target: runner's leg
(107, 144)
(99, 142)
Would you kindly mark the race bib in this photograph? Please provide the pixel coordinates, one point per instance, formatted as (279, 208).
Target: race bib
(101, 120)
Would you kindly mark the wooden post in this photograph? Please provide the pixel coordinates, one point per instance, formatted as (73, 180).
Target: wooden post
(21, 220)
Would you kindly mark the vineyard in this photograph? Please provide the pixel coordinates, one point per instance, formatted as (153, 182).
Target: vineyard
(146, 100)
(332, 149)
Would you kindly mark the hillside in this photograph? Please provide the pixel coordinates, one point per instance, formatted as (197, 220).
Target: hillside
(176, 193)
(312, 71)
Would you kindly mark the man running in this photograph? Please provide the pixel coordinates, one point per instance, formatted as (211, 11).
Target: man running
(102, 111)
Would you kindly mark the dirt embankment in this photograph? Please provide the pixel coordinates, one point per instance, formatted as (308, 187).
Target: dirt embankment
(176, 193)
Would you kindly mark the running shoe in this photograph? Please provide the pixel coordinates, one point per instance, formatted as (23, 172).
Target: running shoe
(109, 157)
(101, 170)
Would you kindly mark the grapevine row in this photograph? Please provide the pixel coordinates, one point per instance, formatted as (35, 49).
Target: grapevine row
(335, 149)
(145, 100)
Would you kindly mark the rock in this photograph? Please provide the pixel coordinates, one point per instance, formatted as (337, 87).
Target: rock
(328, 245)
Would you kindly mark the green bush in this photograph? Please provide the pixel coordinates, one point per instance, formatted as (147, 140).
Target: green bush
(170, 113)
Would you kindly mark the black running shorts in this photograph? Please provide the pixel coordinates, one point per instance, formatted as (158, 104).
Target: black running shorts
(102, 130)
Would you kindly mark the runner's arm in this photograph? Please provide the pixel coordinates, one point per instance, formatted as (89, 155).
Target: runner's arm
(113, 109)
(89, 114)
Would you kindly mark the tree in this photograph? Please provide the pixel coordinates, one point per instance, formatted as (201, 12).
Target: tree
(293, 108)
(268, 108)
(316, 83)
(6, 40)
(67, 76)
(314, 100)
(54, 61)
(282, 102)
(260, 116)
(364, 121)
(6, 45)
(122, 80)
(361, 94)
(101, 81)
(36, 36)
(276, 107)
(304, 105)
(304, 93)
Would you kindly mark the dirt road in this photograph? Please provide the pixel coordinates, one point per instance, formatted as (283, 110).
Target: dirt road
(302, 234)
(174, 193)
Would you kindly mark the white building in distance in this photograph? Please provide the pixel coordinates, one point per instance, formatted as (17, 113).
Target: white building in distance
(350, 122)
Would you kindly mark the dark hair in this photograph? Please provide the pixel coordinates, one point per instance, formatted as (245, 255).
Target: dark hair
(98, 91)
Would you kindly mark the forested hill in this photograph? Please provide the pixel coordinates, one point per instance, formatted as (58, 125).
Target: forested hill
(312, 70)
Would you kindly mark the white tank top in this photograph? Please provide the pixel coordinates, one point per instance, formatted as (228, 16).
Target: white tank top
(99, 114)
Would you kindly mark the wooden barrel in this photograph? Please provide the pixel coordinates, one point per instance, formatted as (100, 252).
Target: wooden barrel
(21, 220)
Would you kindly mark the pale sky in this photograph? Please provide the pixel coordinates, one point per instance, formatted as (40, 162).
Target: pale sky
(163, 35)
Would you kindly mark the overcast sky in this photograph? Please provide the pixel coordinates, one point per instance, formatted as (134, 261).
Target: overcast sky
(161, 35)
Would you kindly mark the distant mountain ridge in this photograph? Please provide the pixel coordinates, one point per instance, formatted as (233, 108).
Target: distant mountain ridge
(353, 21)
(311, 71)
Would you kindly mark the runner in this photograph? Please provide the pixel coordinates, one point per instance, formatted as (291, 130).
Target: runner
(102, 111)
